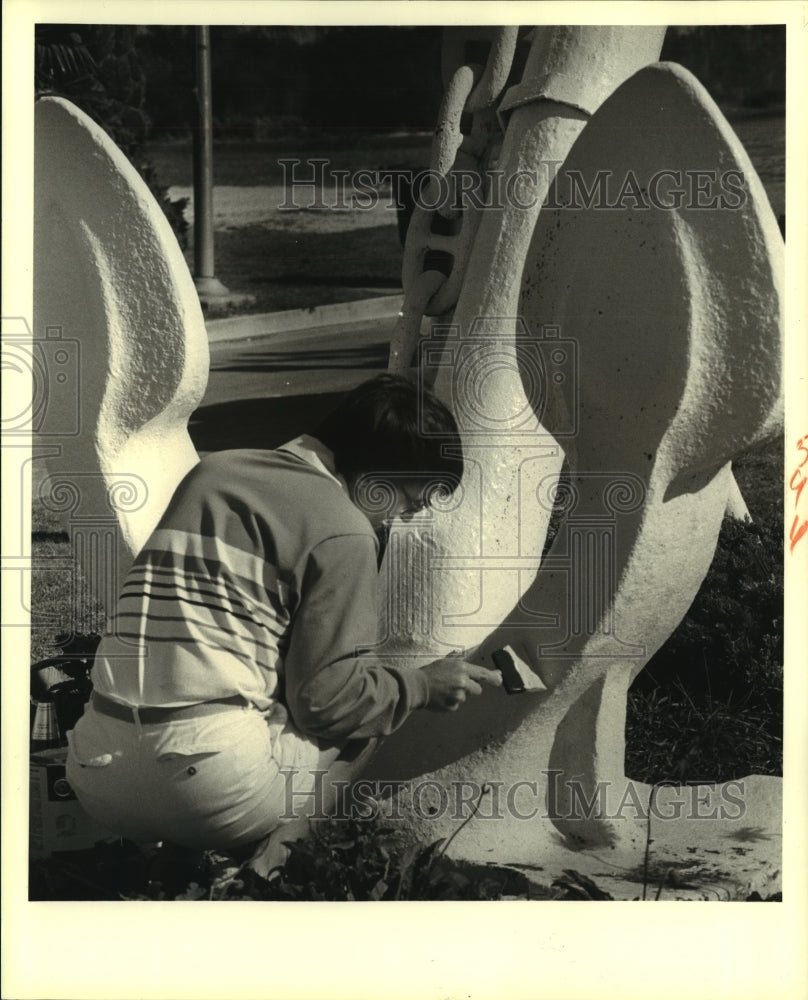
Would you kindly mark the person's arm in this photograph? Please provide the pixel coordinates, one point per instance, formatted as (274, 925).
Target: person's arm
(333, 693)
(330, 691)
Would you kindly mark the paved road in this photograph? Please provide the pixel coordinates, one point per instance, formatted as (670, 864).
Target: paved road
(283, 364)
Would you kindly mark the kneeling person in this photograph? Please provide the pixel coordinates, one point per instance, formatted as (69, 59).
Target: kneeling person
(244, 615)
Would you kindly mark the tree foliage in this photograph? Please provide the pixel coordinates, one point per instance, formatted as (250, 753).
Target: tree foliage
(99, 69)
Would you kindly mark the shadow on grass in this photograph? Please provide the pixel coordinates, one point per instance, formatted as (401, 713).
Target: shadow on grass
(290, 269)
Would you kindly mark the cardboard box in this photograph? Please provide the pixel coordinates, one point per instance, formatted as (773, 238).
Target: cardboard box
(57, 821)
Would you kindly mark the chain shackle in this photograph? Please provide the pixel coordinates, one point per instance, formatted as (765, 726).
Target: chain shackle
(421, 241)
(451, 149)
(469, 88)
(497, 68)
(408, 325)
(494, 75)
(447, 135)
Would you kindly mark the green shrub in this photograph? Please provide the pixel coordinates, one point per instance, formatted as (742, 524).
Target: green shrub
(98, 68)
(363, 859)
(708, 706)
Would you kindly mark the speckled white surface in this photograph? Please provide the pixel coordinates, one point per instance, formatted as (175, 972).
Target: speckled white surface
(675, 315)
(111, 283)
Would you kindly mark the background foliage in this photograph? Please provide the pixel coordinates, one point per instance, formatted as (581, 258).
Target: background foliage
(101, 70)
(343, 76)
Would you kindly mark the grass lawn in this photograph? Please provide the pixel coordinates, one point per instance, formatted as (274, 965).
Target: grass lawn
(257, 162)
(294, 261)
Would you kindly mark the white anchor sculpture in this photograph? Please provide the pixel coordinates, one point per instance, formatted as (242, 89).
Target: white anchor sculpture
(640, 341)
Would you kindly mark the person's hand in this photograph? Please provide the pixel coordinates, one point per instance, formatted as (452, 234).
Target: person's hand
(452, 680)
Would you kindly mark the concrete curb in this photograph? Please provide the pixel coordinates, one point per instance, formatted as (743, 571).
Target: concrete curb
(236, 328)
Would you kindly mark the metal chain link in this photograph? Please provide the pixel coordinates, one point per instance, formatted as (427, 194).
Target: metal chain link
(408, 326)
(469, 89)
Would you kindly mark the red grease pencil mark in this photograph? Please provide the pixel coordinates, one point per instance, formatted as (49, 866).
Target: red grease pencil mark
(799, 525)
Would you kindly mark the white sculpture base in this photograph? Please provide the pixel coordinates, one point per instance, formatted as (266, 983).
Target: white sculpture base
(707, 842)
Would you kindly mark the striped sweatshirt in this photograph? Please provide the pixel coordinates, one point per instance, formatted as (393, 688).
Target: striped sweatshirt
(260, 579)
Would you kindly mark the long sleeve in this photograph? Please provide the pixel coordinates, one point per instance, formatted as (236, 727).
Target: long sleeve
(332, 692)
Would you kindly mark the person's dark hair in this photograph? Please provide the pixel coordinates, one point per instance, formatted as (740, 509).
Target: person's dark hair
(390, 425)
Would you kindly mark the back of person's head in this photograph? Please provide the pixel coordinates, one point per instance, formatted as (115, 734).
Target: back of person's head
(391, 425)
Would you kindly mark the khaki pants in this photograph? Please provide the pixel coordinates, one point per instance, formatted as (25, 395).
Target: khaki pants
(217, 781)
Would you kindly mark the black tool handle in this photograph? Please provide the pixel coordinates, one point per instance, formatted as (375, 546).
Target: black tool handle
(511, 679)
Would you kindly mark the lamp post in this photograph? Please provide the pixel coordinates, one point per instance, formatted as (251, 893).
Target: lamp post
(207, 285)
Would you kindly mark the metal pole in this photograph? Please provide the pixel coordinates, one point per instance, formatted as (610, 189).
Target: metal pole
(204, 274)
